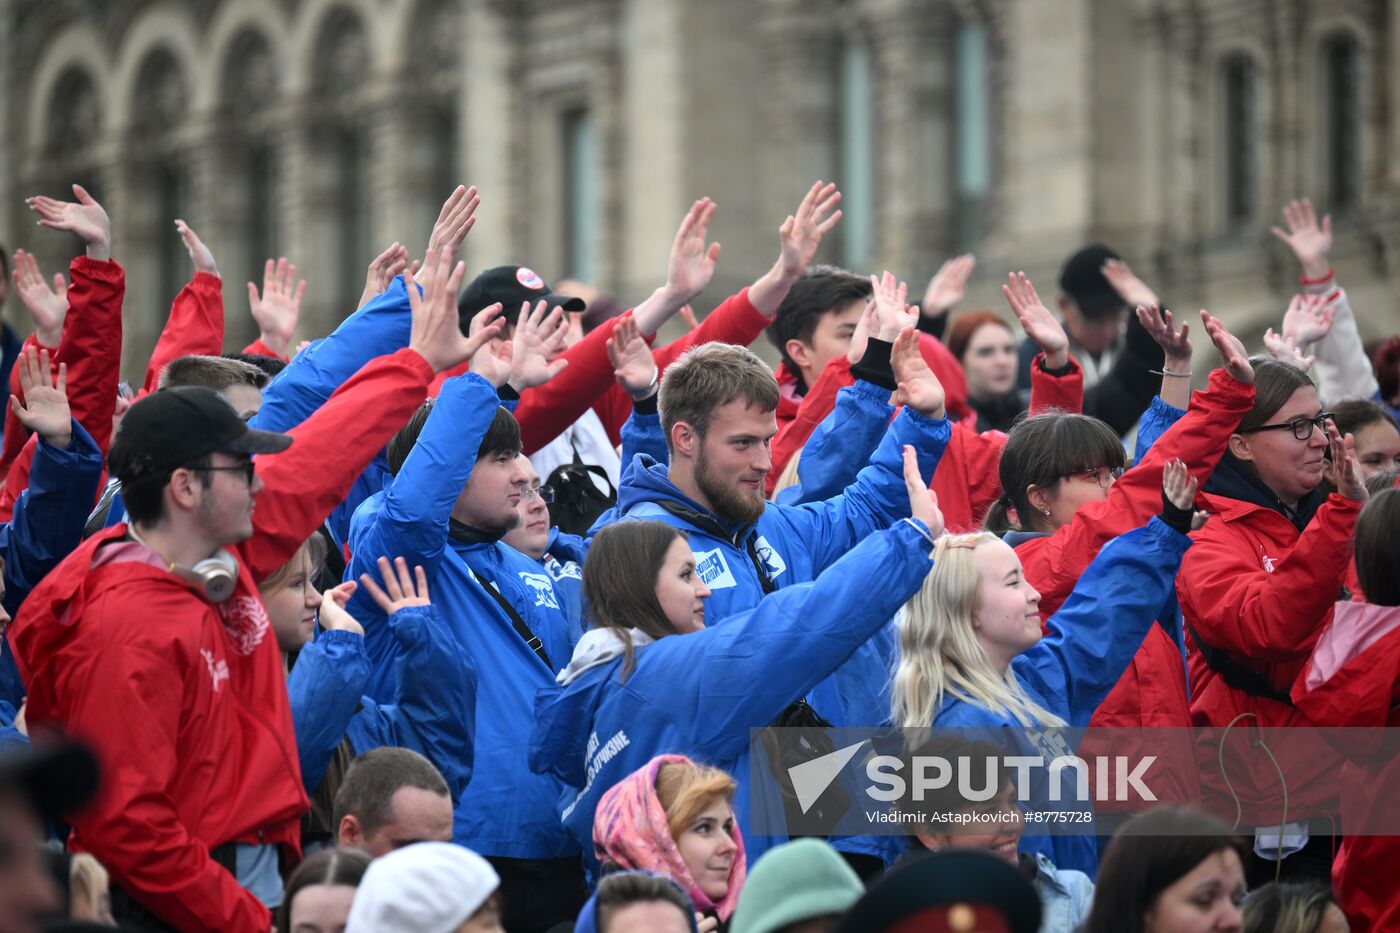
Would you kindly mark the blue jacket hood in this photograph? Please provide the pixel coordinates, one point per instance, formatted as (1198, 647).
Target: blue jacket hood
(646, 480)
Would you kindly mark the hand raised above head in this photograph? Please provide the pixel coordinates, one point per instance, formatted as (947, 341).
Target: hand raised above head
(435, 333)
(1233, 355)
(84, 217)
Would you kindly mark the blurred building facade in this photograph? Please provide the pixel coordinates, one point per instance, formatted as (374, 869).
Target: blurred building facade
(1018, 129)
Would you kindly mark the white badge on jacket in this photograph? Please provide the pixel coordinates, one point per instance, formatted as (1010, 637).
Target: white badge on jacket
(713, 570)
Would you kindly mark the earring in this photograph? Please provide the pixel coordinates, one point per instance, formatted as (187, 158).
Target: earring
(1045, 512)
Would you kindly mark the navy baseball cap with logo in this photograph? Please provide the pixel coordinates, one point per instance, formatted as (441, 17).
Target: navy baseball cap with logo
(1083, 280)
(510, 285)
(174, 426)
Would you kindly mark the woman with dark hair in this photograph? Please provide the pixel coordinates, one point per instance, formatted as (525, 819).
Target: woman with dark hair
(1170, 870)
(1293, 908)
(986, 347)
(319, 893)
(649, 678)
(1375, 437)
(1258, 589)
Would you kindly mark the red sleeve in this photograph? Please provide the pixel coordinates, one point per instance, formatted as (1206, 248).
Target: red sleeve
(304, 483)
(1238, 606)
(967, 481)
(195, 326)
(17, 479)
(735, 321)
(1056, 393)
(122, 699)
(258, 348)
(1199, 438)
(544, 412)
(15, 432)
(819, 402)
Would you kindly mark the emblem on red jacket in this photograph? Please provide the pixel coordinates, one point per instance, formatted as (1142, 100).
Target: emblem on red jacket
(246, 622)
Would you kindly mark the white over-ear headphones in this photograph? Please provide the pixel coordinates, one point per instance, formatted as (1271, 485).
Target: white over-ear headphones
(214, 577)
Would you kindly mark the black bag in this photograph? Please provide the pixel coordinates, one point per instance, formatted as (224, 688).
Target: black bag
(805, 740)
(578, 502)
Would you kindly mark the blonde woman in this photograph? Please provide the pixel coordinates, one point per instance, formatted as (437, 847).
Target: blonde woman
(972, 653)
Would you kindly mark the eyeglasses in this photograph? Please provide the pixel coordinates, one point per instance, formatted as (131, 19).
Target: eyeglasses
(245, 467)
(1302, 428)
(544, 492)
(1103, 475)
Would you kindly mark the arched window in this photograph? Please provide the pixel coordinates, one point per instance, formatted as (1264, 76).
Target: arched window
(581, 204)
(250, 85)
(158, 112)
(435, 58)
(1341, 115)
(74, 117)
(972, 136)
(857, 155)
(1239, 133)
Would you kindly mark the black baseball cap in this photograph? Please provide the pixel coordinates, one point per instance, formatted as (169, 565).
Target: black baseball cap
(56, 776)
(935, 891)
(173, 426)
(1082, 279)
(510, 285)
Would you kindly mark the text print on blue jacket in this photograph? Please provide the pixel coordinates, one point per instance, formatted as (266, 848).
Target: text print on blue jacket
(507, 811)
(699, 694)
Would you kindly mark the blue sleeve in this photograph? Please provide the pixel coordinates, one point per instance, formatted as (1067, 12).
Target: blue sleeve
(841, 444)
(878, 496)
(435, 709)
(746, 671)
(413, 522)
(642, 434)
(373, 479)
(324, 688)
(381, 326)
(47, 525)
(1155, 421)
(1093, 637)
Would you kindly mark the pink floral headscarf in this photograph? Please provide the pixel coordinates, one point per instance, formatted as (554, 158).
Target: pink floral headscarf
(630, 829)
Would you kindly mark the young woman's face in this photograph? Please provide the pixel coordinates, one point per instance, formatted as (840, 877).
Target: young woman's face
(1290, 467)
(1074, 491)
(1007, 617)
(679, 589)
(1204, 900)
(1377, 448)
(1002, 837)
(989, 361)
(321, 908)
(708, 849)
(291, 606)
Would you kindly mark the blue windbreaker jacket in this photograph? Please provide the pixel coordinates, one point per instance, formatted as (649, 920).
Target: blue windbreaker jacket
(1088, 645)
(841, 445)
(509, 811)
(699, 694)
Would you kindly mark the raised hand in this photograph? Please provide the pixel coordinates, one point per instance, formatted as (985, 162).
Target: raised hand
(332, 614)
(919, 388)
(948, 285)
(277, 309)
(1310, 241)
(923, 503)
(634, 367)
(454, 222)
(1036, 320)
(1308, 319)
(1233, 355)
(85, 218)
(868, 324)
(381, 271)
(1175, 344)
(692, 262)
(435, 333)
(1130, 288)
(891, 306)
(47, 307)
(400, 590)
(200, 255)
(800, 235)
(1179, 488)
(44, 409)
(1286, 351)
(535, 332)
(1348, 474)
(491, 361)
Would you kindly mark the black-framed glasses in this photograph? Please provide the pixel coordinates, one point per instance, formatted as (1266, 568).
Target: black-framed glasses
(545, 492)
(1104, 476)
(245, 467)
(1302, 428)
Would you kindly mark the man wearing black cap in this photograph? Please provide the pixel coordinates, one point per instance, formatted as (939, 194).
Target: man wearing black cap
(152, 644)
(1097, 292)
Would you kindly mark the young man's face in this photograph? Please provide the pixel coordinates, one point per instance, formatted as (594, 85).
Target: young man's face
(490, 502)
(226, 506)
(830, 339)
(416, 815)
(245, 399)
(735, 458)
(531, 536)
(1095, 334)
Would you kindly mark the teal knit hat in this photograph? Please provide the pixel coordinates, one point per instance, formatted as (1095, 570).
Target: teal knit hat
(793, 882)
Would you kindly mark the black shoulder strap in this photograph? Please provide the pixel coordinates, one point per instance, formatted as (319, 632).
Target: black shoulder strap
(1236, 675)
(521, 629)
(751, 548)
(710, 525)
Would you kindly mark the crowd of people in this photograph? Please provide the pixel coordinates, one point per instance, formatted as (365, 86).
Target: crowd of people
(460, 617)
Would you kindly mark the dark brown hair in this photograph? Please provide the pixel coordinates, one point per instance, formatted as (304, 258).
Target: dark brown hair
(1043, 450)
(636, 887)
(1148, 854)
(708, 376)
(1274, 384)
(503, 436)
(372, 780)
(329, 867)
(962, 327)
(619, 581)
(1378, 549)
(215, 372)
